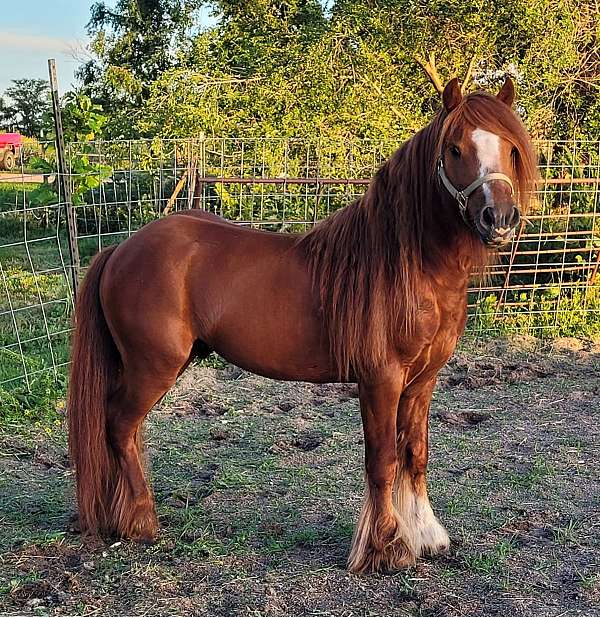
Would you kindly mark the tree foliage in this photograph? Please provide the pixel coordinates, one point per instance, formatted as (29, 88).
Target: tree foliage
(294, 68)
(83, 122)
(133, 44)
(24, 105)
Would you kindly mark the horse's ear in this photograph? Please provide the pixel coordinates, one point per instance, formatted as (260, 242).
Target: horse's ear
(452, 95)
(507, 92)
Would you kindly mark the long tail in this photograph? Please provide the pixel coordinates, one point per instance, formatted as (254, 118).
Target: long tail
(94, 364)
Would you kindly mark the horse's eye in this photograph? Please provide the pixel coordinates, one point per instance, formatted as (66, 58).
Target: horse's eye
(455, 151)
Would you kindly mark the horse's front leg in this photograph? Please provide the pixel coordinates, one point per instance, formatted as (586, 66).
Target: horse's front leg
(410, 493)
(381, 539)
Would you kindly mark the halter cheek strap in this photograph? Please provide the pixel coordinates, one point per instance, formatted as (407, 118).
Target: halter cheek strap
(462, 197)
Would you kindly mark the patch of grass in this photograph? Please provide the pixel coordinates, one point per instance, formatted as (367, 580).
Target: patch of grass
(552, 312)
(492, 514)
(488, 562)
(231, 476)
(49, 538)
(588, 581)
(569, 534)
(19, 582)
(38, 406)
(37, 307)
(14, 193)
(214, 361)
(205, 544)
(449, 573)
(462, 502)
(540, 470)
(407, 585)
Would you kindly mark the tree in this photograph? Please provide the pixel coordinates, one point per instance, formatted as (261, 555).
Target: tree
(26, 103)
(132, 45)
(290, 67)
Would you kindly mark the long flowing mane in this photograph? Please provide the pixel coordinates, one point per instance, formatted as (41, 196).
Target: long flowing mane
(368, 258)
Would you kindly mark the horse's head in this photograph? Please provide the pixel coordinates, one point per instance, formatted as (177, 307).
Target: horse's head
(486, 162)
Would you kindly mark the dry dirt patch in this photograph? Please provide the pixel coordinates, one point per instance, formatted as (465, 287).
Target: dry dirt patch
(259, 484)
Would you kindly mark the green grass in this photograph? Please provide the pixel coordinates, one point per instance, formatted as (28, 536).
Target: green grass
(249, 518)
(491, 561)
(10, 189)
(569, 534)
(19, 582)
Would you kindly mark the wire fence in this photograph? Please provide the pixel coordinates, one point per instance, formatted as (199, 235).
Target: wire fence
(547, 282)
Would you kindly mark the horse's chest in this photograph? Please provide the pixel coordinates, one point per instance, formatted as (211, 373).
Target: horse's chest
(440, 323)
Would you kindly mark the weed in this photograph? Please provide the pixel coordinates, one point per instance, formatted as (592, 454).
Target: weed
(588, 581)
(539, 471)
(19, 582)
(407, 585)
(489, 562)
(38, 405)
(548, 313)
(569, 534)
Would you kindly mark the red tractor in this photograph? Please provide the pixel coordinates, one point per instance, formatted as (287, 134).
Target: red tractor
(10, 146)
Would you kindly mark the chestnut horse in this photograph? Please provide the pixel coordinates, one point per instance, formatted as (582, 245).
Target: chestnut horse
(375, 294)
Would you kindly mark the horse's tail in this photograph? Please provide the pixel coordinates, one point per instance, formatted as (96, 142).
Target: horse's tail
(94, 364)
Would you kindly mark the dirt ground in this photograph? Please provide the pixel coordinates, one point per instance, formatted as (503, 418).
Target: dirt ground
(259, 484)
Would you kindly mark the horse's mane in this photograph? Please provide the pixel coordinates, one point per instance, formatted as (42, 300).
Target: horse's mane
(367, 259)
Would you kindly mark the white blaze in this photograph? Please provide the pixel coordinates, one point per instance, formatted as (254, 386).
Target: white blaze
(487, 146)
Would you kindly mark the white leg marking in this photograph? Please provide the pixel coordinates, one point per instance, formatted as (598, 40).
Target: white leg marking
(428, 535)
(488, 152)
(432, 536)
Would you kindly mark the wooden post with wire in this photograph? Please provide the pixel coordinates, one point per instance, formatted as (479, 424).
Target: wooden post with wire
(64, 180)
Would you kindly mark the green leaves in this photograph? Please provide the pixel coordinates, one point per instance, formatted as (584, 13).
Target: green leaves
(82, 119)
(83, 122)
(43, 195)
(86, 176)
(269, 68)
(43, 165)
(25, 106)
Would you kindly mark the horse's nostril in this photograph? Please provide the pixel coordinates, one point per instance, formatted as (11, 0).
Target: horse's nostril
(515, 217)
(488, 217)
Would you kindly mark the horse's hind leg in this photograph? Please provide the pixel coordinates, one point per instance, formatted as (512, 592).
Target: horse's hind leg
(132, 510)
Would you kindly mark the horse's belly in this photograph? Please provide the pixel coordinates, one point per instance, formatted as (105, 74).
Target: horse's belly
(260, 315)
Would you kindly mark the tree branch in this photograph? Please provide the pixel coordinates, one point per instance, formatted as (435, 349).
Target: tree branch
(430, 68)
(467, 77)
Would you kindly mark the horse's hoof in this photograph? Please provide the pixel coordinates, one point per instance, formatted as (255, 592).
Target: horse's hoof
(145, 532)
(140, 525)
(393, 557)
(145, 540)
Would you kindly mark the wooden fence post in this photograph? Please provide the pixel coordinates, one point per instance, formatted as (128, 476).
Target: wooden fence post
(63, 177)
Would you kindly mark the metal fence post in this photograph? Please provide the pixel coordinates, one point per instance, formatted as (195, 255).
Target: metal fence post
(64, 179)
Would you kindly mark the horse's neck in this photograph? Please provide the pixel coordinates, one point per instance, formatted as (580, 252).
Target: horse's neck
(449, 248)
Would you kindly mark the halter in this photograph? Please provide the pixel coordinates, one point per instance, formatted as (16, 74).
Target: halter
(462, 197)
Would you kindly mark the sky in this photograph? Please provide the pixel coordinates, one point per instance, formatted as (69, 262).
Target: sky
(31, 31)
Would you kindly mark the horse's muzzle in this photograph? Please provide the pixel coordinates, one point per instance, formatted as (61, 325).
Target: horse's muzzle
(497, 225)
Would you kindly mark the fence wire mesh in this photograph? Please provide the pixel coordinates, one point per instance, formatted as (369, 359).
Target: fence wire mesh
(545, 283)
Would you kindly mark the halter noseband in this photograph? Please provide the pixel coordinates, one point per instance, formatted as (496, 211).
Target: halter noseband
(462, 197)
